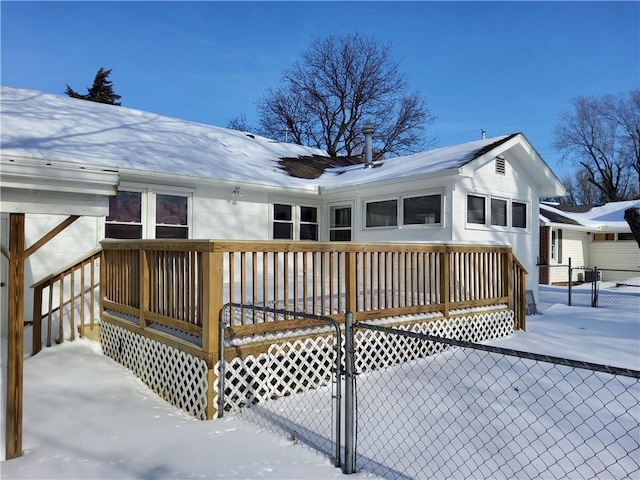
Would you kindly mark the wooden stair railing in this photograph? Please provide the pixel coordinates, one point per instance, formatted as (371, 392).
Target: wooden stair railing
(74, 283)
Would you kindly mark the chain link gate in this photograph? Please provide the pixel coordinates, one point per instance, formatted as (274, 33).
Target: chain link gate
(261, 387)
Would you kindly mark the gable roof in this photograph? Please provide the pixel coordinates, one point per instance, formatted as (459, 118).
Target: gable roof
(607, 217)
(37, 126)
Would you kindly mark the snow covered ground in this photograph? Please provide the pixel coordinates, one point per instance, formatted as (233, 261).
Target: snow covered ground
(87, 417)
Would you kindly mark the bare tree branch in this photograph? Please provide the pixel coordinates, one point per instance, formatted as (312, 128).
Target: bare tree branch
(339, 85)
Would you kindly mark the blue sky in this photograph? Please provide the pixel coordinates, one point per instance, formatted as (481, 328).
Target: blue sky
(500, 66)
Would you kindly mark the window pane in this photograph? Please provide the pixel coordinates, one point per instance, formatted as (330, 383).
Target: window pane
(519, 215)
(309, 214)
(282, 231)
(171, 210)
(282, 212)
(125, 207)
(172, 232)
(475, 210)
(498, 212)
(340, 235)
(622, 237)
(421, 210)
(308, 231)
(122, 230)
(340, 217)
(382, 214)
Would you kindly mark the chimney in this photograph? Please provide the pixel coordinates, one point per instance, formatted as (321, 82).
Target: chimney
(368, 153)
(483, 133)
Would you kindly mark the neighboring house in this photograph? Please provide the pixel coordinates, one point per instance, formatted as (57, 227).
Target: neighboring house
(179, 179)
(588, 237)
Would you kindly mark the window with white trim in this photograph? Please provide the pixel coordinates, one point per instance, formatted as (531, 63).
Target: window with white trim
(426, 209)
(138, 214)
(171, 216)
(294, 222)
(476, 210)
(518, 215)
(125, 216)
(501, 212)
(382, 213)
(340, 223)
(282, 221)
(498, 212)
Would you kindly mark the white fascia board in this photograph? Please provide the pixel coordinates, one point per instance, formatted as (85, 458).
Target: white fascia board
(451, 173)
(47, 177)
(53, 202)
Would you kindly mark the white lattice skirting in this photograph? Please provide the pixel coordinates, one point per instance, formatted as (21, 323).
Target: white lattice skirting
(300, 365)
(288, 367)
(374, 349)
(179, 378)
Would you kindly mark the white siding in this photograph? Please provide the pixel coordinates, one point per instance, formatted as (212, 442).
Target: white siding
(615, 255)
(574, 246)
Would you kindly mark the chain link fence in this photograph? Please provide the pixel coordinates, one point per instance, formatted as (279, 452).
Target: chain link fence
(618, 287)
(416, 405)
(588, 287)
(475, 411)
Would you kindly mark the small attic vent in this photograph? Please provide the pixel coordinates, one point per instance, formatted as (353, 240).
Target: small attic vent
(500, 166)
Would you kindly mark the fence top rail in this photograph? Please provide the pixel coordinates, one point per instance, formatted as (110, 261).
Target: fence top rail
(297, 246)
(43, 281)
(625, 372)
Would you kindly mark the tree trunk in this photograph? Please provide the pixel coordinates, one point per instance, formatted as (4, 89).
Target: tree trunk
(632, 216)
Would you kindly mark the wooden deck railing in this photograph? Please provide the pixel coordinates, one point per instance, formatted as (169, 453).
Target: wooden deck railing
(183, 285)
(73, 288)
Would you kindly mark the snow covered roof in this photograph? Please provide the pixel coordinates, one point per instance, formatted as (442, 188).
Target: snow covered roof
(38, 126)
(607, 217)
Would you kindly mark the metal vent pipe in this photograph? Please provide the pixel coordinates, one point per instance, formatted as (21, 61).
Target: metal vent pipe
(368, 149)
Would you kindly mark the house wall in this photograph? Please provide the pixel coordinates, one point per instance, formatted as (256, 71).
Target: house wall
(623, 255)
(510, 186)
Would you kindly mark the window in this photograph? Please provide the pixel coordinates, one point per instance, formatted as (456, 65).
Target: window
(382, 214)
(604, 237)
(556, 245)
(518, 215)
(131, 215)
(623, 237)
(308, 223)
(476, 210)
(125, 216)
(422, 210)
(282, 222)
(498, 212)
(294, 222)
(340, 224)
(171, 217)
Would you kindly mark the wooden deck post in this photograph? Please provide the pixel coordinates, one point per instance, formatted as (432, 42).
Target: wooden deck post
(15, 337)
(351, 283)
(143, 288)
(212, 299)
(36, 337)
(445, 280)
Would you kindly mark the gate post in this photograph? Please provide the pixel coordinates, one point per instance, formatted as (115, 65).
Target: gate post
(570, 274)
(349, 414)
(594, 288)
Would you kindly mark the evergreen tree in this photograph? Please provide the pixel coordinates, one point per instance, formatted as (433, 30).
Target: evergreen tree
(101, 91)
